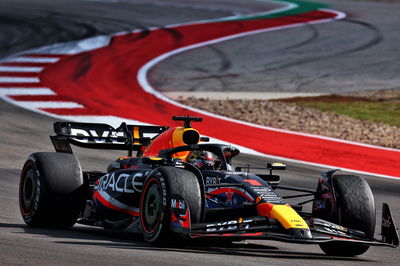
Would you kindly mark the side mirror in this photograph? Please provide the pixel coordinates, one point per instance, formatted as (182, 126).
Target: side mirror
(276, 166)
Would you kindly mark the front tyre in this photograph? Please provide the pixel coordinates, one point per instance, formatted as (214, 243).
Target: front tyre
(51, 190)
(155, 205)
(355, 210)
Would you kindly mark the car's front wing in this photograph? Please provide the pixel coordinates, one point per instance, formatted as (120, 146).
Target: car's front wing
(260, 227)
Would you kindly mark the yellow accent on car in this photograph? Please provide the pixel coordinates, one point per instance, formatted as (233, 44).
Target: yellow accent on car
(136, 135)
(184, 136)
(288, 217)
(155, 158)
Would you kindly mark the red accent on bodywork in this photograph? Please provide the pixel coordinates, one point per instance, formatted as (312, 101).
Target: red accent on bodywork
(174, 218)
(183, 220)
(253, 182)
(253, 234)
(106, 203)
(230, 190)
(342, 238)
(264, 209)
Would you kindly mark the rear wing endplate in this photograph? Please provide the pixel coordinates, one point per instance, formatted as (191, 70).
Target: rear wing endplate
(103, 136)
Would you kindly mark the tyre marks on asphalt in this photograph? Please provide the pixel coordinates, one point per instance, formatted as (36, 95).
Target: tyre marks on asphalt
(374, 38)
(219, 70)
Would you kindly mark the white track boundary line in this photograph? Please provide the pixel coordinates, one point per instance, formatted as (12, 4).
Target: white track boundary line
(23, 59)
(7, 79)
(102, 41)
(20, 69)
(49, 104)
(144, 83)
(26, 91)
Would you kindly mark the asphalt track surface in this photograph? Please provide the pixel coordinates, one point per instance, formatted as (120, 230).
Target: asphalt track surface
(25, 25)
(353, 54)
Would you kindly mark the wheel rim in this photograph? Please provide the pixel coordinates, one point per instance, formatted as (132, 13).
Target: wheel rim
(152, 207)
(28, 191)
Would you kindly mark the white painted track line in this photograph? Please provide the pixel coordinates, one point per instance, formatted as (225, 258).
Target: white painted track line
(26, 91)
(18, 80)
(33, 59)
(20, 69)
(48, 104)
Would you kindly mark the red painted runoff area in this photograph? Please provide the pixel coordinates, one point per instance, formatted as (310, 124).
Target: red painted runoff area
(105, 82)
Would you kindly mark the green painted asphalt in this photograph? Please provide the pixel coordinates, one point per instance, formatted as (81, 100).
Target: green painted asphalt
(294, 8)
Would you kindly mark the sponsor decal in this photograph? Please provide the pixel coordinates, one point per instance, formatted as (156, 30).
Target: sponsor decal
(331, 227)
(262, 190)
(268, 194)
(164, 190)
(271, 197)
(98, 138)
(178, 204)
(230, 196)
(213, 180)
(180, 216)
(229, 225)
(334, 231)
(121, 182)
(230, 190)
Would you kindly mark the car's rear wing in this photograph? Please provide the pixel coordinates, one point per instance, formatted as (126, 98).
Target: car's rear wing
(103, 136)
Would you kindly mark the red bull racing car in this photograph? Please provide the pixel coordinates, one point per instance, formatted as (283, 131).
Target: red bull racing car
(180, 186)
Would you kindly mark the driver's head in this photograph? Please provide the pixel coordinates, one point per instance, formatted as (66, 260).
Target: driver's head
(204, 160)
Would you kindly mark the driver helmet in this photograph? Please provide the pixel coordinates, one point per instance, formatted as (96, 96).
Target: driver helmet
(204, 160)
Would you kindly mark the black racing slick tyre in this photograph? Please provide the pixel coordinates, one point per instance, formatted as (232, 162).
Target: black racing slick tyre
(51, 191)
(155, 206)
(355, 210)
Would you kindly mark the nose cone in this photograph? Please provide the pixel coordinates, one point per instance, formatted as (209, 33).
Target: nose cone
(285, 214)
(300, 233)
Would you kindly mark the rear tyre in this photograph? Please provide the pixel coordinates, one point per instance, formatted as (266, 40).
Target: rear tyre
(51, 191)
(355, 210)
(155, 206)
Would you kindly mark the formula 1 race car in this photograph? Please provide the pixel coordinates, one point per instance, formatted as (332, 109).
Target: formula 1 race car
(180, 186)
